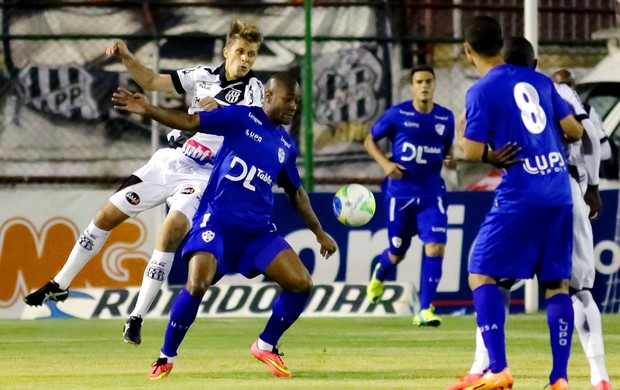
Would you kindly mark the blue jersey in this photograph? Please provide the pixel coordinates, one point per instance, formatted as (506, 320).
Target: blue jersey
(420, 142)
(517, 104)
(254, 156)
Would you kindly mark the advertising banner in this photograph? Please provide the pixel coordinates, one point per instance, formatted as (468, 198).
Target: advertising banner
(39, 230)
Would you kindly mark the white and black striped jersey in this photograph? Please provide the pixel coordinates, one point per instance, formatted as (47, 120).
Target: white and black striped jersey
(203, 81)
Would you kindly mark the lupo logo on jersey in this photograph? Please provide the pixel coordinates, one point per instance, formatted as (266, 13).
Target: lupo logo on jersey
(188, 191)
(253, 136)
(544, 164)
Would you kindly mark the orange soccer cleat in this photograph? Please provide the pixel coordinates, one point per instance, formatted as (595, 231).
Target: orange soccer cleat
(494, 381)
(161, 369)
(465, 381)
(560, 384)
(273, 361)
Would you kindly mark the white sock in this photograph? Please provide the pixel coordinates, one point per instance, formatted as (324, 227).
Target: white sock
(87, 246)
(155, 275)
(589, 327)
(170, 359)
(263, 346)
(481, 357)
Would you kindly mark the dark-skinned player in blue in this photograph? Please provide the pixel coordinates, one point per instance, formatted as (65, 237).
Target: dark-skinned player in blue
(232, 232)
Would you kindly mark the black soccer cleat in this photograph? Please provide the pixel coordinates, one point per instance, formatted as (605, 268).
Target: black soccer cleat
(132, 331)
(50, 292)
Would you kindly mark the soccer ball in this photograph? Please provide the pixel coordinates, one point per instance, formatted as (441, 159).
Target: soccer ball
(354, 205)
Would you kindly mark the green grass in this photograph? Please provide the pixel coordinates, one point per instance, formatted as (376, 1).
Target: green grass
(323, 353)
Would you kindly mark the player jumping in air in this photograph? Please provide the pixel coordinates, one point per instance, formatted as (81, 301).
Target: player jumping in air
(177, 176)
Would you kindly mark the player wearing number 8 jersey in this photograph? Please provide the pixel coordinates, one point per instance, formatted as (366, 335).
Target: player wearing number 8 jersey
(529, 228)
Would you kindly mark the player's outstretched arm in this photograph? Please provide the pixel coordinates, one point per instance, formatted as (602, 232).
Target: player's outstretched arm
(136, 103)
(304, 208)
(145, 77)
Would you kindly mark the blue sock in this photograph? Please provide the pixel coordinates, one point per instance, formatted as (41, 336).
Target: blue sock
(431, 275)
(386, 266)
(182, 315)
(491, 316)
(560, 317)
(286, 309)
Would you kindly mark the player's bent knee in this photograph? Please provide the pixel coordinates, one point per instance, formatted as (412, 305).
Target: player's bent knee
(109, 217)
(555, 287)
(477, 280)
(434, 249)
(396, 259)
(197, 288)
(299, 283)
(170, 238)
(201, 271)
(175, 228)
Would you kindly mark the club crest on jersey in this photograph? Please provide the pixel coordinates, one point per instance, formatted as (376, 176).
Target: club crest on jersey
(232, 96)
(439, 128)
(208, 236)
(188, 191)
(132, 198)
(281, 155)
(397, 242)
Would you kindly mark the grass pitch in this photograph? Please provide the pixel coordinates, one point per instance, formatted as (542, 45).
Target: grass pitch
(323, 353)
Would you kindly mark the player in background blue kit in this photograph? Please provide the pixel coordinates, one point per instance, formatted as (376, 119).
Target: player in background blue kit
(232, 232)
(421, 133)
(529, 228)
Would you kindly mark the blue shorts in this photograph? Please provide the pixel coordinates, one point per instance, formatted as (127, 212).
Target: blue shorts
(521, 245)
(423, 216)
(248, 254)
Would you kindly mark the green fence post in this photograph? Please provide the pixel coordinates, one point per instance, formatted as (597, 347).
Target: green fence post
(307, 102)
